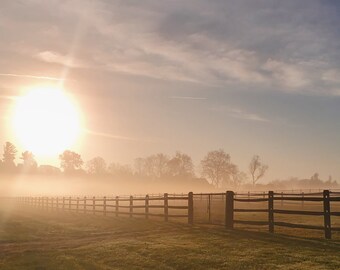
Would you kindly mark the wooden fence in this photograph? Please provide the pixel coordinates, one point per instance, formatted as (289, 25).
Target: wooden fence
(270, 198)
(188, 207)
(119, 205)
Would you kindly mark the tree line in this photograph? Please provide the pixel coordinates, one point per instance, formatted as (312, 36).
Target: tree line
(216, 166)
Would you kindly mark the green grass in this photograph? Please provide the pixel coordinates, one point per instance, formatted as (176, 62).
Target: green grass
(50, 240)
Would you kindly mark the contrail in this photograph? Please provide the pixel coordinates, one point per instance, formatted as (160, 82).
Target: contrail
(31, 76)
(117, 137)
(189, 98)
(8, 97)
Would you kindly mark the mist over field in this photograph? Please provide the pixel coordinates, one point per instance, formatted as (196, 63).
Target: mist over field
(100, 186)
(64, 185)
(147, 134)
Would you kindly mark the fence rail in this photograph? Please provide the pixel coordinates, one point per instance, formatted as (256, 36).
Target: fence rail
(326, 200)
(125, 206)
(190, 207)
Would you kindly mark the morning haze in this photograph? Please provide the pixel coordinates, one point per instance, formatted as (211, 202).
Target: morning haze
(172, 110)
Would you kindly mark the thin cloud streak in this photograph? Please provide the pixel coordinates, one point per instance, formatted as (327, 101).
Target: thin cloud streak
(241, 114)
(30, 76)
(188, 98)
(237, 113)
(8, 97)
(116, 137)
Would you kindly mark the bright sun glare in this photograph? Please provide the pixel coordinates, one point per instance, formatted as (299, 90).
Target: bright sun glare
(46, 121)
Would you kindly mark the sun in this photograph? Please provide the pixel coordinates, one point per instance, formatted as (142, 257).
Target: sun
(46, 121)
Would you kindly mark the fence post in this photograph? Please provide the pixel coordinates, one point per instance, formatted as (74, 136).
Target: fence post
(209, 207)
(47, 203)
(57, 203)
(271, 211)
(229, 210)
(281, 198)
(117, 206)
(94, 205)
(52, 205)
(69, 203)
(84, 204)
(302, 202)
(147, 206)
(77, 204)
(104, 205)
(131, 206)
(63, 203)
(327, 214)
(166, 209)
(190, 208)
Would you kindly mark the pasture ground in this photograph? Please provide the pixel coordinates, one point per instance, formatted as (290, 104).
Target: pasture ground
(40, 239)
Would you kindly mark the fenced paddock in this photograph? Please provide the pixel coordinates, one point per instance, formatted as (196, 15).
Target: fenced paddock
(299, 210)
(165, 206)
(271, 210)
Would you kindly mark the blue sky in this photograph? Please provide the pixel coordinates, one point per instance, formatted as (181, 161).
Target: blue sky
(251, 77)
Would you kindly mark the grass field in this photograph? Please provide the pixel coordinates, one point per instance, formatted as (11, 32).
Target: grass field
(49, 240)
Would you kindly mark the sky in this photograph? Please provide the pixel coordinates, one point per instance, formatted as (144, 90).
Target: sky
(248, 76)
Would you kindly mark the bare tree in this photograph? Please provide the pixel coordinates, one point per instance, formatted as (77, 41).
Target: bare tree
(29, 161)
(181, 165)
(139, 166)
(160, 164)
(96, 166)
(119, 170)
(257, 169)
(155, 166)
(9, 156)
(218, 169)
(70, 161)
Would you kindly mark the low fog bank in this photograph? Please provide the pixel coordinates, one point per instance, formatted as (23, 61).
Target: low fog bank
(314, 183)
(37, 185)
(63, 185)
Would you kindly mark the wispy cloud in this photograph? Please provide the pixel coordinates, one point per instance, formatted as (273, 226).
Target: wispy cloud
(54, 57)
(8, 97)
(118, 137)
(195, 41)
(30, 76)
(288, 75)
(188, 98)
(240, 114)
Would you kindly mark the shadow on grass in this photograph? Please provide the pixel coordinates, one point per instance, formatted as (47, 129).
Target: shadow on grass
(269, 238)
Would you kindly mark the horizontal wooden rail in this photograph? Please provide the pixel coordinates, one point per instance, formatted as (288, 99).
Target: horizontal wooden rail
(116, 205)
(301, 226)
(178, 207)
(298, 194)
(250, 200)
(251, 222)
(165, 206)
(251, 210)
(177, 198)
(271, 197)
(298, 212)
(309, 199)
